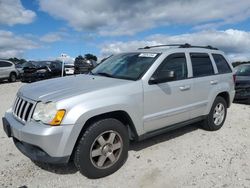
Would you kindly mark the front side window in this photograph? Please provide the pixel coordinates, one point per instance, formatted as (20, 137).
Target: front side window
(130, 66)
(221, 63)
(176, 63)
(202, 65)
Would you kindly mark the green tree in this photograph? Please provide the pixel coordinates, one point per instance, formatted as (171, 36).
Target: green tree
(17, 61)
(90, 57)
(239, 63)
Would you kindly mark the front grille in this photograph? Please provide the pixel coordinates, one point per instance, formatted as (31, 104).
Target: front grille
(23, 109)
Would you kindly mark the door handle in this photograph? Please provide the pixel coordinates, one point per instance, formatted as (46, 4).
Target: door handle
(184, 88)
(214, 82)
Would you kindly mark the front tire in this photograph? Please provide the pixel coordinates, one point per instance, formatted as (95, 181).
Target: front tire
(217, 116)
(102, 149)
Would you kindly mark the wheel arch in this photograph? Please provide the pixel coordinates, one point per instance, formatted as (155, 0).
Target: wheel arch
(13, 72)
(225, 95)
(119, 115)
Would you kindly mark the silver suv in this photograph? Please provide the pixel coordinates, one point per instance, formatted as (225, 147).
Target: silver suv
(130, 96)
(8, 71)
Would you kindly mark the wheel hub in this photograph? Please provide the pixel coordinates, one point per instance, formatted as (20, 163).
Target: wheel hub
(107, 149)
(219, 114)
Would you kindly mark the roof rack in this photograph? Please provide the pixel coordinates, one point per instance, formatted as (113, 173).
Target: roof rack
(186, 45)
(157, 46)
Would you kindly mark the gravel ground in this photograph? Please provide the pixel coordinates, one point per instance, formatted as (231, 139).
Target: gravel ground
(187, 157)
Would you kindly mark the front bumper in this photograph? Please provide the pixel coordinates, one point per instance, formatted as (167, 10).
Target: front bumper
(32, 77)
(41, 142)
(37, 154)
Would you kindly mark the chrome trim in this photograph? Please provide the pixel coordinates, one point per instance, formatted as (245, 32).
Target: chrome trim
(21, 108)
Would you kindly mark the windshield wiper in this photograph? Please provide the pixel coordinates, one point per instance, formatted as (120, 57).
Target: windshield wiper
(105, 74)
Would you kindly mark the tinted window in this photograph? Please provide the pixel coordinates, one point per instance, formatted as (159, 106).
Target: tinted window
(202, 65)
(243, 70)
(174, 62)
(5, 64)
(221, 64)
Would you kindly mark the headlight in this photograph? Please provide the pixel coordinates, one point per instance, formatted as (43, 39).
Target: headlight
(48, 113)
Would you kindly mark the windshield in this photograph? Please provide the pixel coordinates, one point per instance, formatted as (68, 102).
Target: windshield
(129, 66)
(243, 70)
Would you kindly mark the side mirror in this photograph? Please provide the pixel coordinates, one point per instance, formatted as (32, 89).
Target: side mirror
(161, 77)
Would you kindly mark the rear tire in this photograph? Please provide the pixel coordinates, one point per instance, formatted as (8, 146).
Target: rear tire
(217, 116)
(102, 149)
(12, 77)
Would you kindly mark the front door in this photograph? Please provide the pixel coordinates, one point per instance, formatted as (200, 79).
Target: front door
(168, 103)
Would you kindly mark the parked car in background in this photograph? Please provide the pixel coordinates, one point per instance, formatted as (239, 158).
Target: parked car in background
(83, 66)
(69, 69)
(40, 70)
(19, 68)
(8, 71)
(242, 85)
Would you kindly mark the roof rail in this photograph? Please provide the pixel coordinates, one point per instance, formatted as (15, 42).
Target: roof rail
(158, 46)
(186, 45)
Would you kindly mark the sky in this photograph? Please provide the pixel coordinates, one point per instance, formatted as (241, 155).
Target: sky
(44, 29)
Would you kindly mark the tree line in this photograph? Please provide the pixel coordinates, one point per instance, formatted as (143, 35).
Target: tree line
(239, 63)
(80, 57)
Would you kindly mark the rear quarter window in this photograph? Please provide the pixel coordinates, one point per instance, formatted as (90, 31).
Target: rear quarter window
(202, 64)
(5, 64)
(221, 63)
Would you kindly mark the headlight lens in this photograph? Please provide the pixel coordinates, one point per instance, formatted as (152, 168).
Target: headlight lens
(48, 113)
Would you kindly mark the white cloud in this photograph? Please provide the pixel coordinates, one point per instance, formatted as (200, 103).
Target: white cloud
(235, 43)
(14, 46)
(12, 12)
(51, 37)
(119, 17)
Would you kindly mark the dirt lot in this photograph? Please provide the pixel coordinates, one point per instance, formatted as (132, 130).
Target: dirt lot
(183, 158)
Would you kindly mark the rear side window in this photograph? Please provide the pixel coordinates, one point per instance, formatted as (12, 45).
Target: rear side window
(174, 62)
(5, 64)
(221, 63)
(202, 65)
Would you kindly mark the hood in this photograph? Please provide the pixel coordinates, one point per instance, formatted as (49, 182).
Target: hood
(65, 87)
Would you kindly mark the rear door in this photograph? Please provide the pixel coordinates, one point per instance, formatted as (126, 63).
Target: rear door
(168, 103)
(5, 68)
(205, 83)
